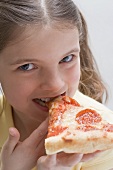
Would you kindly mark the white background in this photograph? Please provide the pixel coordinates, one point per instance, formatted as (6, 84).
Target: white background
(99, 18)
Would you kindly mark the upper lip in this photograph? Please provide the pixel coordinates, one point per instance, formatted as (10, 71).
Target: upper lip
(52, 97)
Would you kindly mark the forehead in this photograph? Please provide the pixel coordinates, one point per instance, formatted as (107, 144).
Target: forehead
(26, 32)
(35, 41)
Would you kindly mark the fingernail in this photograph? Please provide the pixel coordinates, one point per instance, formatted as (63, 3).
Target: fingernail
(11, 132)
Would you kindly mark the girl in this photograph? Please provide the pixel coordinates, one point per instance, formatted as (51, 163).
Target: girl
(44, 53)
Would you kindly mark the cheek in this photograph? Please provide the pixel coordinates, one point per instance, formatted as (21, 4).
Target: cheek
(73, 80)
(74, 74)
(15, 91)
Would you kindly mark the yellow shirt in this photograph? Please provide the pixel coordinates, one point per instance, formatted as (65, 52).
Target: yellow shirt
(103, 162)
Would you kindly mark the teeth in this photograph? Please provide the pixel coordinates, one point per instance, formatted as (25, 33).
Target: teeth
(41, 103)
(45, 99)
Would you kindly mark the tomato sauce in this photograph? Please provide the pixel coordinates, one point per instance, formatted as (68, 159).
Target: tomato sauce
(108, 127)
(54, 131)
(56, 115)
(68, 100)
(86, 128)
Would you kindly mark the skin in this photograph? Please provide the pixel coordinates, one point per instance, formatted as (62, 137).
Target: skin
(53, 68)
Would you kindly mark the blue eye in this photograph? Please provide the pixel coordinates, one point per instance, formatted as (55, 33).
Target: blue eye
(67, 59)
(26, 67)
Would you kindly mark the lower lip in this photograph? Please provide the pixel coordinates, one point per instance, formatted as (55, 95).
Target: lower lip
(43, 108)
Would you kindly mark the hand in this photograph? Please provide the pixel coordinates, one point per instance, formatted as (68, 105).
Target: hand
(23, 155)
(63, 161)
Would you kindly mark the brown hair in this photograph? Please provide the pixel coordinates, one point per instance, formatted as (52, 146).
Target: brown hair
(16, 15)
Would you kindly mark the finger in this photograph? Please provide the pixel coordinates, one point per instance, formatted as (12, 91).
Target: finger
(90, 156)
(40, 149)
(37, 135)
(51, 160)
(12, 140)
(69, 159)
(48, 161)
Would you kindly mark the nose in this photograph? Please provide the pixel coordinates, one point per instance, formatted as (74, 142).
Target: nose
(52, 81)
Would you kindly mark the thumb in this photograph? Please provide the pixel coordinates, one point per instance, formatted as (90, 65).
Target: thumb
(48, 161)
(12, 140)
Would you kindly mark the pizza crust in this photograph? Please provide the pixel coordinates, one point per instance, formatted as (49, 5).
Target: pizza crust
(80, 142)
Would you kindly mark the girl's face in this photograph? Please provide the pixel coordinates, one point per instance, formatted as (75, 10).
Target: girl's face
(39, 66)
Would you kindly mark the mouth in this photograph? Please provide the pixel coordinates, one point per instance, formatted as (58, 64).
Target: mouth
(43, 101)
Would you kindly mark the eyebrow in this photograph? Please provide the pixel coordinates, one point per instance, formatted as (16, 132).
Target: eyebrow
(31, 60)
(75, 50)
(24, 60)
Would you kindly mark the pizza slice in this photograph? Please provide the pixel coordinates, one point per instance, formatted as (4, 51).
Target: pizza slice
(74, 128)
